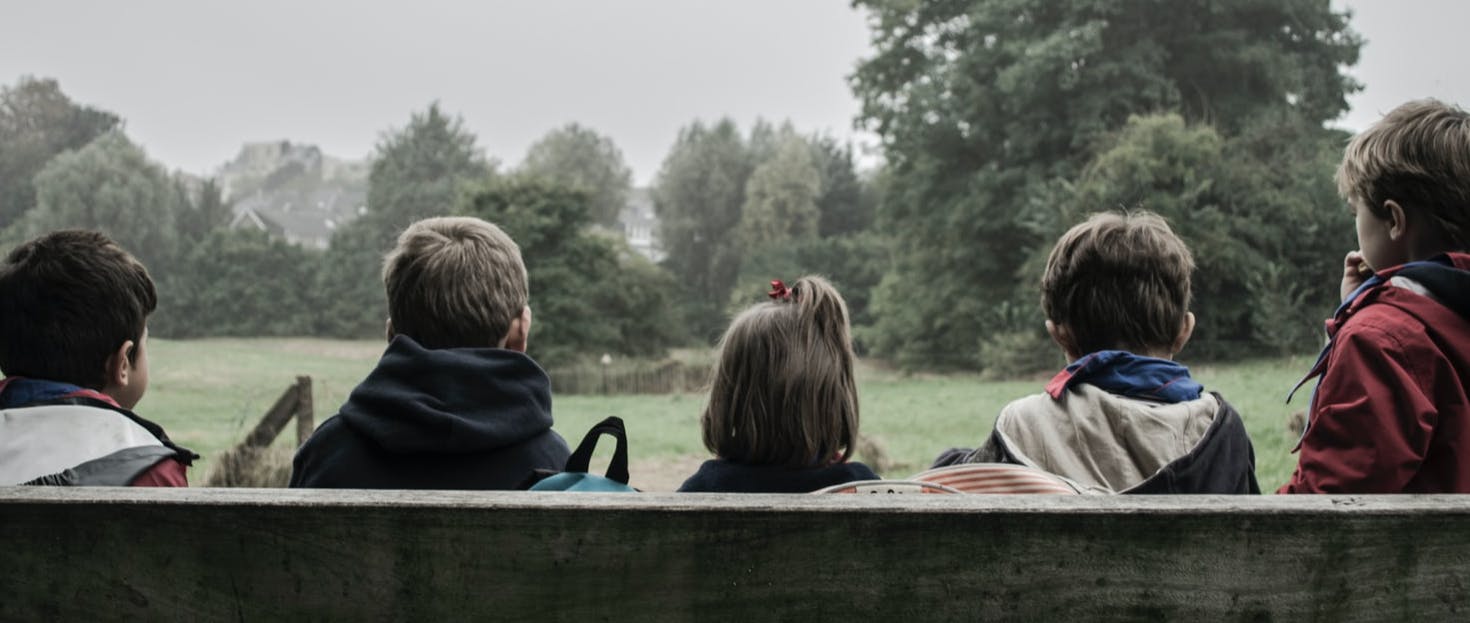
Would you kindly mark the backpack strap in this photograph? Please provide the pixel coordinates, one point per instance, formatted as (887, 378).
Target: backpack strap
(582, 457)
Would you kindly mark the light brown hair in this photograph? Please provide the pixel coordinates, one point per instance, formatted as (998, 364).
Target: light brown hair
(1119, 280)
(1419, 156)
(782, 391)
(68, 300)
(454, 282)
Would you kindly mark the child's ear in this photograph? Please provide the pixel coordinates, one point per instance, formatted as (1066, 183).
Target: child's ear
(519, 335)
(119, 369)
(1398, 224)
(1186, 331)
(388, 330)
(1063, 337)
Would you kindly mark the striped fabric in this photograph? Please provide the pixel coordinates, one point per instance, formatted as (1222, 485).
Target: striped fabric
(997, 478)
(888, 486)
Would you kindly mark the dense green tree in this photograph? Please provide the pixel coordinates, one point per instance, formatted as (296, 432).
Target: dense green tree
(241, 283)
(37, 122)
(1267, 234)
(590, 294)
(985, 106)
(853, 262)
(202, 210)
(111, 186)
(578, 157)
(698, 197)
(420, 171)
(841, 204)
(781, 196)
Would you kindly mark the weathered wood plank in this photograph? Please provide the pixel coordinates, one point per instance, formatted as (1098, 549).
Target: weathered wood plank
(270, 554)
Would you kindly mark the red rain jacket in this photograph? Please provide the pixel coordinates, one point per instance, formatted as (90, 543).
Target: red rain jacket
(1390, 413)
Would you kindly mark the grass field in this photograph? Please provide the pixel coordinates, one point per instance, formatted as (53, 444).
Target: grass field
(208, 393)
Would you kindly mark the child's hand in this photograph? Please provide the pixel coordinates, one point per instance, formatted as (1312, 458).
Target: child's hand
(1355, 270)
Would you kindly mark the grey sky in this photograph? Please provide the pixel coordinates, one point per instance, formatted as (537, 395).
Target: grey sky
(195, 79)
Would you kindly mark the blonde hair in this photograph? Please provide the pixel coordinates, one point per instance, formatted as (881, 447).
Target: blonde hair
(1419, 156)
(782, 391)
(1118, 280)
(454, 282)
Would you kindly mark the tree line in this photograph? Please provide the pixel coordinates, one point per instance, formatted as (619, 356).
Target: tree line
(1002, 123)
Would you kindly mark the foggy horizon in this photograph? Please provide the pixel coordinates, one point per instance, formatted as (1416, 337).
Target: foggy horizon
(193, 84)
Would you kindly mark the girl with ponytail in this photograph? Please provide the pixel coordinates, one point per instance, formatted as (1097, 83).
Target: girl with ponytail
(783, 407)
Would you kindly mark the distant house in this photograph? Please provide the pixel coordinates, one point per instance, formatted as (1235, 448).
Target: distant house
(294, 192)
(640, 224)
(307, 221)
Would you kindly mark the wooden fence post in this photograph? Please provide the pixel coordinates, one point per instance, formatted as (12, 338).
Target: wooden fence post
(305, 417)
(274, 420)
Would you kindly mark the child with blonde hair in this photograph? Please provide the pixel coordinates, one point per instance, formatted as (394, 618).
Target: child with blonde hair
(455, 402)
(783, 406)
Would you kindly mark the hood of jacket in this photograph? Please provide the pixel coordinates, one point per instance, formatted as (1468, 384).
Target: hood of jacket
(451, 400)
(1445, 280)
(1109, 443)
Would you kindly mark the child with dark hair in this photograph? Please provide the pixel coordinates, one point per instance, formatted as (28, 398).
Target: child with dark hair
(1391, 410)
(783, 406)
(1123, 417)
(74, 310)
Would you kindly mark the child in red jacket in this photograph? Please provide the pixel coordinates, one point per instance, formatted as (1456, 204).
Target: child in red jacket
(1391, 412)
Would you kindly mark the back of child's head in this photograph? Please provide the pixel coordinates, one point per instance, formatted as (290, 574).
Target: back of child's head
(782, 390)
(1418, 155)
(68, 301)
(455, 282)
(1119, 281)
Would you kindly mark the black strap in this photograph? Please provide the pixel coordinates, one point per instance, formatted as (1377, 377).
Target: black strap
(582, 458)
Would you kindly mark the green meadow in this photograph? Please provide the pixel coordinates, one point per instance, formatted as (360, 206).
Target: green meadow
(209, 393)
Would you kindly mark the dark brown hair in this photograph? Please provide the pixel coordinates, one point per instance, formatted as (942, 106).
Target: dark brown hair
(782, 391)
(1419, 156)
(1118, 280)
(68, 301)
(455, 282)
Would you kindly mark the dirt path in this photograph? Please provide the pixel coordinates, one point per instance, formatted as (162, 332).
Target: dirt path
(663, 474)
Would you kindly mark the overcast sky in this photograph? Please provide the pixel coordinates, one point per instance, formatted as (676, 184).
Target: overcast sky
(194, 79)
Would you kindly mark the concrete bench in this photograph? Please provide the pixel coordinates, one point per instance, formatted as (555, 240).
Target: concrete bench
(265, 555)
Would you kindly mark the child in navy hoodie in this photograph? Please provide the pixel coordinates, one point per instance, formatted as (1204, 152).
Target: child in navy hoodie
(783, 407)
(454, 403)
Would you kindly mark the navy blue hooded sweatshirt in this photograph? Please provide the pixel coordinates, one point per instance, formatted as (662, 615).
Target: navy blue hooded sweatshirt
(454, 418)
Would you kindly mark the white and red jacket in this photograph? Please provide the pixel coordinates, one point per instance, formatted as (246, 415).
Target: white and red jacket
(84, 438)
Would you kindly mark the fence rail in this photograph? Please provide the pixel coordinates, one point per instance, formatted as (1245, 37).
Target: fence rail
(634, 377)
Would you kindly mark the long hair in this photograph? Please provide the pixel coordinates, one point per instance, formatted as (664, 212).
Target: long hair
(782, 391)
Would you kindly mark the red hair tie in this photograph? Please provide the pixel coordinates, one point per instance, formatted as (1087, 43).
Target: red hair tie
(779, 291)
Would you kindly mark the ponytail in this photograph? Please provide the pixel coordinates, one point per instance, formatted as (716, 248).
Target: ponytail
(783, 390)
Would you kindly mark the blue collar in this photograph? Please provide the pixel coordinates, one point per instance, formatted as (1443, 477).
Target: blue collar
(19, 392)
(1127, 374)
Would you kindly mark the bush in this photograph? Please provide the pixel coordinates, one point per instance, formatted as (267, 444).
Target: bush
(1017, 354)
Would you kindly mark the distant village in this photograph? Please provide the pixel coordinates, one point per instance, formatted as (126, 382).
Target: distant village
(296, 193)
